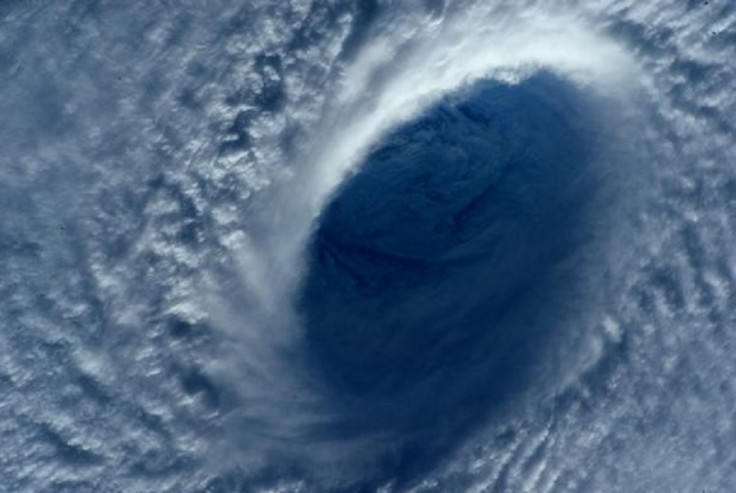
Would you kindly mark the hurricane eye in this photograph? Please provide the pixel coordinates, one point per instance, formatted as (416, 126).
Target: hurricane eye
(451, 218)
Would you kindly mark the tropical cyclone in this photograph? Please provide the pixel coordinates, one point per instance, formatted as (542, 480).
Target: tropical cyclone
(185, 190)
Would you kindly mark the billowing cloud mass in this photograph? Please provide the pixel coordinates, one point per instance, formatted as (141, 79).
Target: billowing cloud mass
(436, 245)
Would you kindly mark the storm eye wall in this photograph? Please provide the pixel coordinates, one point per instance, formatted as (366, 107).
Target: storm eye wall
(452, 218)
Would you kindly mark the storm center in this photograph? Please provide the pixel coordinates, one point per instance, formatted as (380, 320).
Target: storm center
(450, 219)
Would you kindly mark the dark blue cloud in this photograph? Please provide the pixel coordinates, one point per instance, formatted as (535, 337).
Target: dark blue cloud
(426, 262)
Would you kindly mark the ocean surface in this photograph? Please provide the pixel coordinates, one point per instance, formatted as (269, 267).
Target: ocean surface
(368, 245)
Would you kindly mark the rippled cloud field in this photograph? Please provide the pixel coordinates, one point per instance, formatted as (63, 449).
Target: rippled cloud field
(369, 245)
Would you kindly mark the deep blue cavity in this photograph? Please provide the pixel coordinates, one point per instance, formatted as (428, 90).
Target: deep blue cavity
(430, 264)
